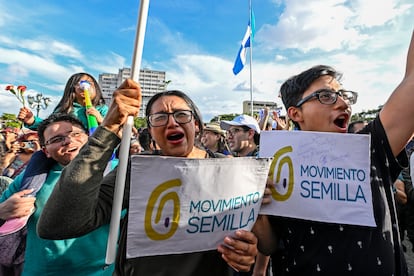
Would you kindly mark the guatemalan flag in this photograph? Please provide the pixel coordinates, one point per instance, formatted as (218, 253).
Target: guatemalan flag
(241, 55)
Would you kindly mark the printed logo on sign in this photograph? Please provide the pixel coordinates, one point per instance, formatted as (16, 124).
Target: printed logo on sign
(283, 162)
(161, 197)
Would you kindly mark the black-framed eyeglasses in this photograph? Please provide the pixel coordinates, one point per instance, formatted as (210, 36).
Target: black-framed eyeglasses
(161, 118)
(327, 96)
(62, 138)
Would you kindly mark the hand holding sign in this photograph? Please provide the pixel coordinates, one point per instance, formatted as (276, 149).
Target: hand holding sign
(202, 201)
(239, 250)
(309, 180)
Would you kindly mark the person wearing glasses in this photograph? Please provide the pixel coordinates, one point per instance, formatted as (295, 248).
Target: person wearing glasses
(61, 137)
(173, 121)
(315, 100)
(73, 102)
(243, 135)
(19, 154)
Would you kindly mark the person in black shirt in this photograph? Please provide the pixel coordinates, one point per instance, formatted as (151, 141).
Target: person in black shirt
(316, 101)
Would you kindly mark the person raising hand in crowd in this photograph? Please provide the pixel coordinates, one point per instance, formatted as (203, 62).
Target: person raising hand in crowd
(315, 100)
(73, 102)
(173, 121)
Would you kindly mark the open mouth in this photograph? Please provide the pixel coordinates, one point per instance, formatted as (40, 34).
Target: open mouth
(341, 121)
(175, 136)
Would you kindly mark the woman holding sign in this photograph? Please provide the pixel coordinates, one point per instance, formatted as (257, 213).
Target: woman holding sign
(85, 197)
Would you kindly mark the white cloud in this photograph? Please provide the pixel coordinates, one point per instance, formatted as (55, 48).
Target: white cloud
(365, 39)
(376, 13)
(33, 63)
(108, 63)
(299, 27)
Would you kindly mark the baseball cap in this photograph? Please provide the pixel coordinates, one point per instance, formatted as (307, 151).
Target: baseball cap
(241, 120)
(215, 127)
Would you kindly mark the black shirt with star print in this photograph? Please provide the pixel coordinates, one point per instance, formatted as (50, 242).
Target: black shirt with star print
(315, 248)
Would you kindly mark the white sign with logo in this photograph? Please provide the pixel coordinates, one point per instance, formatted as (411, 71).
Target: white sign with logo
(319, 176)
(180, 205)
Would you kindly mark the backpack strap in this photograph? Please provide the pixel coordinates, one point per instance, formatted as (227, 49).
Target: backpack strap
(36, 172)
(34, 176)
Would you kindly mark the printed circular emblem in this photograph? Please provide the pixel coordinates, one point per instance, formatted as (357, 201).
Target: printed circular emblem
(170, 222)
(280, 159)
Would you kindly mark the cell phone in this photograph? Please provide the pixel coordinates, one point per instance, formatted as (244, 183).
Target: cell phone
(27, 145)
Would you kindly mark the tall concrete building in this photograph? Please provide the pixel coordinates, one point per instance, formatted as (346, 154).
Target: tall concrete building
(151, 81)
(108, 83)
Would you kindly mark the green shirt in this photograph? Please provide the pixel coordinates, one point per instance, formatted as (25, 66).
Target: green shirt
(79, 256)
(79, 111)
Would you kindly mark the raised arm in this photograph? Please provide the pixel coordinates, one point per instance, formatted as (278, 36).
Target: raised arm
(397, 113)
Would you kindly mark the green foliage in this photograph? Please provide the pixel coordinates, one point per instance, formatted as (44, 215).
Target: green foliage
(226, 117)
(368, 115)
(9, 117)
(229, 117)
(140, 122)
(10, 120)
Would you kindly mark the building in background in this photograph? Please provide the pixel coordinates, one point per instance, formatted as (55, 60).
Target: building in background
(257, 105)
(151, 81)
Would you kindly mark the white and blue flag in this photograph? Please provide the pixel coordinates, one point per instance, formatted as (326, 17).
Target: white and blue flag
(246, 43)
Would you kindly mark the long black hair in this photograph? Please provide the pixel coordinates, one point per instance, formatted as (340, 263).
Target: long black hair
(65, 104)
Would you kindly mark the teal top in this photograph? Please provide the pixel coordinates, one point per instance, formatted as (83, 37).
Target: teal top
(79, 256)
(79, 111)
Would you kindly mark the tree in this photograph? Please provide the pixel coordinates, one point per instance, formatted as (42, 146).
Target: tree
(368, 115)
(140, 122)
(224, 117)
(229, 117)
(10, 120)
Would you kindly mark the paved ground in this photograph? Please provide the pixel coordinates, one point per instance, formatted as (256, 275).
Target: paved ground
(409, 256)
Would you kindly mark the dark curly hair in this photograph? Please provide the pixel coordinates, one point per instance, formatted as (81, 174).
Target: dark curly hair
(65, 105)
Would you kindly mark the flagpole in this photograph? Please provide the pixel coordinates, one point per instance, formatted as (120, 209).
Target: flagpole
(125, 142)
(251, 57)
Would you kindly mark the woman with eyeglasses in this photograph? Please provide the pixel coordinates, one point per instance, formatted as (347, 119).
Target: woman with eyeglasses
(173, 122)
(73, 102)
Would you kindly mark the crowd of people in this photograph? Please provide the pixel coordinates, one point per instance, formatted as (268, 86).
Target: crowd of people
(57, 191)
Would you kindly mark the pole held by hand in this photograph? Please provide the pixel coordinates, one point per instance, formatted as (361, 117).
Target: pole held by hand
(125, 142)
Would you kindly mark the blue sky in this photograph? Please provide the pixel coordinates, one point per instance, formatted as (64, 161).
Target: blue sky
(42, 43)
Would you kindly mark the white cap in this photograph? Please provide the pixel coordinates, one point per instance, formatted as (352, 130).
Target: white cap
(241, 120)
